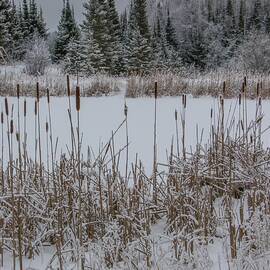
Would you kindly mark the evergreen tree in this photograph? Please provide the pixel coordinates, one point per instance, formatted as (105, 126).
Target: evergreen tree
(242, 13)
(33, 17)
(15, 48)
(115, 49)
(67, 31)
(5, 10)
(25, 20)
(94, 55)
(256, 19)
(170, 33)
(41, 25)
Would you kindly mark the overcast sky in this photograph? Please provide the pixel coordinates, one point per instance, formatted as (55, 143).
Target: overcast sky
(52, 10)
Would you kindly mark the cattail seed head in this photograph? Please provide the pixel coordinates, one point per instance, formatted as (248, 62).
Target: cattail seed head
(6, 105)
(175, 115)
(38, 96)
(211, 113)
(47, 127)
(78, 99)
(68, 86)
(17, 136)
(11, 127)
(126, 110)
(243, 87)
(185, 101)
(35, 107)
(260, 101)
(245, 81)
(18, 91)
(240, 99)
(24, 108)
(224, 88)
(258, 89)
(48, 95)
(156, 90)
(2, 118)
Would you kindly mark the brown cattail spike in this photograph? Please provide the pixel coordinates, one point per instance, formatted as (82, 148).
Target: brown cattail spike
(17, 136)
(211, 113)
(24, 108)
(126, 110)
(175, 115)
(245, 81)
(35, 107)
(224, 88)
(37, 92)
(240, 99)
(185, 101)
(68, 86)
(258, 89)
(48, 96)
(11, 127)
(18, 91)
(2, 118)
(6, 105)
(156, 90)
(47, 127)
(78, 99)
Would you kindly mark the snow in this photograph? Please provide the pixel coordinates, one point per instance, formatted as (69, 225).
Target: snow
(100, 116)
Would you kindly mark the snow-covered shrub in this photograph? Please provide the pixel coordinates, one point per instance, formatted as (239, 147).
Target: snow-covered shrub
(254, 53)
(37, 57)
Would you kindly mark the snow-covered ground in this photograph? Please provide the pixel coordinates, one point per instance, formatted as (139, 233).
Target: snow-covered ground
(100, 116)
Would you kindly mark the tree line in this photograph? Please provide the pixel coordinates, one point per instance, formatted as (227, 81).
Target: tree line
(204, 34)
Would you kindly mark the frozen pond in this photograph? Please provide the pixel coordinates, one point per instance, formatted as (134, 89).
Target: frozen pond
(101, 116)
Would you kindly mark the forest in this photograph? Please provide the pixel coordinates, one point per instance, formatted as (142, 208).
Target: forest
(202, 35)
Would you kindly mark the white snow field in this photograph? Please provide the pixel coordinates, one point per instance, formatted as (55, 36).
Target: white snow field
(100, 116)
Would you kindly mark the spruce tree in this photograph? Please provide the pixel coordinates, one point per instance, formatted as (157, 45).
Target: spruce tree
(25, 20)
(170, 33)
(94, 55)
(256, 19)
(114, 46)
(5, 24)
(41, 25)
(242, 13)
(67, 31)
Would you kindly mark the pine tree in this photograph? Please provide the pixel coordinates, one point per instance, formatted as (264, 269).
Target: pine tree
(33, 18)
(170, 33)
(138, 42)
(67, 31)
(114, 46)
(41, 26)
(242, 13)
(256, 19)
(94, 55)
(15, 48)
(74, 60)
(25, 20)
(5, 24)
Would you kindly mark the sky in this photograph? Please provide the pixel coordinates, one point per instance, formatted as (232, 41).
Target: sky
(52, 10)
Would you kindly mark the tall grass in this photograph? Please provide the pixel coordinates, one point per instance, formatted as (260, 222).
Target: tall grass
(94, 216)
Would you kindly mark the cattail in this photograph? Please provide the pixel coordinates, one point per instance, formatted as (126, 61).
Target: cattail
(260, 101)
(18, 91)
(68, 85)
(243, 87)
(185, 101)
(24, 108)
(37, 92)
(47, 127)
(11, 127)
(35, 107)
(245, 81)
(126, 110)
(175, 115)
(6, 105)
(240, 99)
(224, 88)
(78, 99)
(2, 118)
(48, 95)
(17, 136)
(211, 113)
(258, 89)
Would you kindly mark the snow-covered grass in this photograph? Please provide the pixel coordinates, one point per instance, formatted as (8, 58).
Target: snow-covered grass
(198, 84)
(55, 80)
(65, 205)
